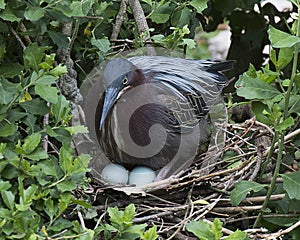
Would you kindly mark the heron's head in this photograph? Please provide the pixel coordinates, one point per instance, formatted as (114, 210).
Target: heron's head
(120, 75)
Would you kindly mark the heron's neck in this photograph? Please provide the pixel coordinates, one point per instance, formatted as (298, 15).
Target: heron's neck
(138, 77)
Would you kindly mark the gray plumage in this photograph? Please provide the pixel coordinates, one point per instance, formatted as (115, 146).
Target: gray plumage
(175, 93)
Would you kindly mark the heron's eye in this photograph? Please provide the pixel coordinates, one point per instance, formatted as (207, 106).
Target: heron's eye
(125, 81)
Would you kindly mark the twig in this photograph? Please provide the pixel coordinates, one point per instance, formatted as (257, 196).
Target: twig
(287, 137)
(81, 220)
(90, 17)
(18, 38)
(280, 232)
(150, 217)
(236, 209)
(45, 123)
(24, 30)
(274, 197)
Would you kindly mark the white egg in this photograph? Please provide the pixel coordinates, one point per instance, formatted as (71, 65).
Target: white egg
(115, 173)
(141, 175)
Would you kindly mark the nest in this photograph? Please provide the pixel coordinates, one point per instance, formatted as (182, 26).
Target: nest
(189, 195)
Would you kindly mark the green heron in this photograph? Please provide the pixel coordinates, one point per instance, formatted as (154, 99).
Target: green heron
(156, 109)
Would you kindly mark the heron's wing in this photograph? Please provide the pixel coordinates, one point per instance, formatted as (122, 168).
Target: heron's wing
(178, 113)
(200, 81)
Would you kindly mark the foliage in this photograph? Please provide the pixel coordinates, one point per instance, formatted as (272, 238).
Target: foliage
(39, 172)
(36, 185)
(275, 97)
(122, 227)
(213, 231)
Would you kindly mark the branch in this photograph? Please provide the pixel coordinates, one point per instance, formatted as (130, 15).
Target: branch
(68, 82)
(140, 19)
(119, 20)
(26, 37)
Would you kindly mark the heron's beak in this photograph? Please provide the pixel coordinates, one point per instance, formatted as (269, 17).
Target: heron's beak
(111, 95)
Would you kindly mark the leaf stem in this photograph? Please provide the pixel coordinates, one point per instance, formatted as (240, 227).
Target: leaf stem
(268, 159)
(281, 133)
(273, 182)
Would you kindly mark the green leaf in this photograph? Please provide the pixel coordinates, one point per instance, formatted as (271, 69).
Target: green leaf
(35, 106)
(284, 125)
(237, 235)
(8, 198)
(66, 186)
(77, 129)
(61, 109)
(280, 39)
(47, 93)
(31, 142)
(2, 4)
(86, 205)
(37, 154)
(291, 184)
(60, 39)
(128, 214)
(34, 13)
(216, 228)
(134, 231)
(295, 104)
(8, 15)
(241, 189)
(4, 185)
(61, 224)
(149, 2)
(33, 55)
(181, 17)
(76, 8)
(48, 167)
(81, 8)
(58, 71)
(284, 58)
(258, 109)
(65, 159)
(200, 229)
(10, 70)
(8, 91)
(81, 163)
(102, 44)
(150, 234)
(110, 227)
(64, 201)
(283, 222)
(199, 5)
(190, 43)
(162, 13)
(46, 80)
(7, 129)
(49, 208)
(114, 215)
(254, 88)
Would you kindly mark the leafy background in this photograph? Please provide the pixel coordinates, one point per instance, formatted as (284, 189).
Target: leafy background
(47, 47)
